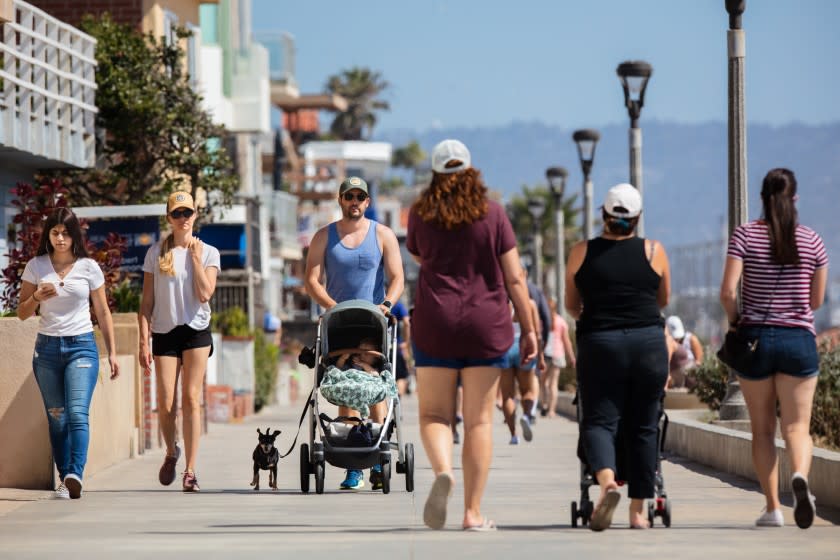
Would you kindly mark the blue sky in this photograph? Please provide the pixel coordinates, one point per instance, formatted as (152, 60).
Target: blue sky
(489, 62)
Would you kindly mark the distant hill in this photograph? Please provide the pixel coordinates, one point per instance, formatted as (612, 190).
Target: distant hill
(685, 169)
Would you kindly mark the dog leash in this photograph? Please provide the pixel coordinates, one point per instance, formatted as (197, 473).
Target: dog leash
(300, 423)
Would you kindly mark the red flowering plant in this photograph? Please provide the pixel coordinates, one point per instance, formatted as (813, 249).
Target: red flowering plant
(34, 205)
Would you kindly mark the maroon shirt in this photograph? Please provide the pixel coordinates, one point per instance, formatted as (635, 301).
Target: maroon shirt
(461, 306)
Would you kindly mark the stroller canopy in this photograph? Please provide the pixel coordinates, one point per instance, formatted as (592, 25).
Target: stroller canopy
(350, 322)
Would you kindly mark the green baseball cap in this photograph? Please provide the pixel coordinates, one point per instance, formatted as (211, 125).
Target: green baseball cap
(351, 183)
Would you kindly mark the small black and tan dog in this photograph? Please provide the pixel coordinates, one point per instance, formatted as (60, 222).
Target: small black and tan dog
(266, 458)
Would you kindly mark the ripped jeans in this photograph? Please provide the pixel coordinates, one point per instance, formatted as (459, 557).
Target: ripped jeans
(66, 369)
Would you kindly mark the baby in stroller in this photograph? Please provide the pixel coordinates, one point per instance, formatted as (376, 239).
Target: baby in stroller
(367, 359)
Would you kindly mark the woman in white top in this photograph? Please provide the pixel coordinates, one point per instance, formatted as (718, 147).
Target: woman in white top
(179, 278)
(62, 280)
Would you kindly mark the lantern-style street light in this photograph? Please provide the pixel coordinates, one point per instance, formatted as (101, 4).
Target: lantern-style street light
(556, 177)
(586, 140)
(634, 77)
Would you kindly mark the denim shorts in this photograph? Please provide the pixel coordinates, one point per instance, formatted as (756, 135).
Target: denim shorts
(421, 359)
(790, 350)
(514, 361)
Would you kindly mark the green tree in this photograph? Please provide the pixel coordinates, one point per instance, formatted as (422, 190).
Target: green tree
(523, 221)
(153, 137)
(362, 88)
(410, 157)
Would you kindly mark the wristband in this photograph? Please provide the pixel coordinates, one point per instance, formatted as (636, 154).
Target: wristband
(387, 304)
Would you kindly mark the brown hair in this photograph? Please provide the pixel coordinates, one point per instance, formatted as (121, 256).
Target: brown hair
(777, 198)
(453, 199)
(63, 216)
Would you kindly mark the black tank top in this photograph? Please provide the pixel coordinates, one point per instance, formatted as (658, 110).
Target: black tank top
(618, 286)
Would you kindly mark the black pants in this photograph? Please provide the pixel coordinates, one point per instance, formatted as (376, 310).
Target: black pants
(622, 374)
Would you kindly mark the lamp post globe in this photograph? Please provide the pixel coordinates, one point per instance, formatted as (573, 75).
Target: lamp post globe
(536, 207)
(634, 76)
(586, 140)
(556, 177)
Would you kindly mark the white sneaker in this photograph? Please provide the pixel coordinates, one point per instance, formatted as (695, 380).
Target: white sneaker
(74, 486)
(804, 508)
(61, 493)
(771, 519)
(514, 440)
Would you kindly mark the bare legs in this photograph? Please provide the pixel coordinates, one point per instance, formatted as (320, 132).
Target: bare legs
(436, 399)
(795, 396)
(168, 371)
(549, 392)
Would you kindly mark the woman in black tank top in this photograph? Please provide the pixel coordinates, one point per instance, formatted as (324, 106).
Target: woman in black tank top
(616, 285)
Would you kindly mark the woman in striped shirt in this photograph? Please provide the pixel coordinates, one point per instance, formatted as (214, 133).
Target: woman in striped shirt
(784, 268)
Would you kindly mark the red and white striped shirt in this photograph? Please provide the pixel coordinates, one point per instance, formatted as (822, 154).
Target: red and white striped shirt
(772, 294)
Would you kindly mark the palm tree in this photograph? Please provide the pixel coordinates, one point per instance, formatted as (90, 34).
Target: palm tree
(361, 87)
(410, 157)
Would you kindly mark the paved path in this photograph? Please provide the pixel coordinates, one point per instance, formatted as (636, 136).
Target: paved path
(125, 513)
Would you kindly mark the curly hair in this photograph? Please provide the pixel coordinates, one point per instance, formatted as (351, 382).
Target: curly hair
(453, 199)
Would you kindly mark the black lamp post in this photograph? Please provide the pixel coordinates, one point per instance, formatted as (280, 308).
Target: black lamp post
(586, 140)
(556, 177)
(536, 207)
(634, 77)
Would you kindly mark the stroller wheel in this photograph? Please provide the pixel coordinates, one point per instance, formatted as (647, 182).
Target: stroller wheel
(651, 511)
(319, 477)
(409, 467)
(386, 476)
(666, 515)
(304, 468)
(574, 514)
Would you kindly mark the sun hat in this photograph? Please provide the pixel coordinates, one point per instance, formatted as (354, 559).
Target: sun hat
(623, 201)
(448, 151)
(351, 183)
(180, 199)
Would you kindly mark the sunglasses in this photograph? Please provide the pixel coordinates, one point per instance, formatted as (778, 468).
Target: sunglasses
(361, 197)
(182, 213)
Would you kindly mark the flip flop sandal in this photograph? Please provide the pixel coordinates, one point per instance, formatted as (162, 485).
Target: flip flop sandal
(602, 516)
(434, 512)
(486, 526)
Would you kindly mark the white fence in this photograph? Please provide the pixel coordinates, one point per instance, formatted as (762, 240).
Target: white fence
(47, 99)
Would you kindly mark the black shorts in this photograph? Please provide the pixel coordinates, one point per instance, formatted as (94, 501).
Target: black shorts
(182, 337)
(401, 367)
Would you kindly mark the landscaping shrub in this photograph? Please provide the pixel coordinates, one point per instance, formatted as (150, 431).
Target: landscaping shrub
(825, 420)
(711, 376)
(265, 369)
(233, 321)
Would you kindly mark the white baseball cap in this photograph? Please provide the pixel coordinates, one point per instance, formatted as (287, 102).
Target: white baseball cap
(447, 151)
(675, 327)
(623, 201)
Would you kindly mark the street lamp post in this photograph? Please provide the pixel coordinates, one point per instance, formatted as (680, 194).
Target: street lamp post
(536, 206)
(556, 177)
(634, 77)
(733, 406)
(586, 140)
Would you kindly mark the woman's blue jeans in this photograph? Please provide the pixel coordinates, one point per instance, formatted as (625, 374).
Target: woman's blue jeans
(67, 368)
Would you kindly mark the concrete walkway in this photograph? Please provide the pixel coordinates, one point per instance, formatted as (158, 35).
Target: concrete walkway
(125, 513)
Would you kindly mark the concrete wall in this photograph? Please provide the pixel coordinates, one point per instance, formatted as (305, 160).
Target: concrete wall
(26, 458)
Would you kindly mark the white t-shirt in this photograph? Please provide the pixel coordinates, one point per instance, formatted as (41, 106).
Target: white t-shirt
(68, 313)
(176, 302)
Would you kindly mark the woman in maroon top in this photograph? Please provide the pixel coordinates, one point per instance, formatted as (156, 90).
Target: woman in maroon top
(469, 266)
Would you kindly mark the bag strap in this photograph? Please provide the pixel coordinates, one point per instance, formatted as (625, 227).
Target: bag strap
(300, 423)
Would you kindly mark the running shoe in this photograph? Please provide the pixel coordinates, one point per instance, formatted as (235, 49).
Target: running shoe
(354, 480)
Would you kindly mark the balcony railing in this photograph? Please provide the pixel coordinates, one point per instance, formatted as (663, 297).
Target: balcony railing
(47, 91)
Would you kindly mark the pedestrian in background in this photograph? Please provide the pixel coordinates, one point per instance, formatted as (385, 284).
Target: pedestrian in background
(559, 354)
(616, 285)
(179, 278)
(469, 266)
(61, 281)
(783, 268)
(687, 355)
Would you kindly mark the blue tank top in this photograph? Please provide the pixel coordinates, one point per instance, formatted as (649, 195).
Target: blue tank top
(355, 273)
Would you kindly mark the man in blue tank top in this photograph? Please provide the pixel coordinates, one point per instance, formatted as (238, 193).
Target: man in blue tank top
(354, 255)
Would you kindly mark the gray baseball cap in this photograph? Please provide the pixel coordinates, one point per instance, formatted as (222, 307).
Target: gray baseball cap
(351, 183)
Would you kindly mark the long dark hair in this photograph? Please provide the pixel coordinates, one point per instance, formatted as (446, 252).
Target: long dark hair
(65, 217)
(778, 192)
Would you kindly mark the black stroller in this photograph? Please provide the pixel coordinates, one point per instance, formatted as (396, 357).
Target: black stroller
(340, 330)
(659, 506)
